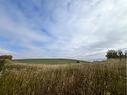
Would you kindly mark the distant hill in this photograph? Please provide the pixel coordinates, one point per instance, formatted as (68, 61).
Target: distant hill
(49, 61)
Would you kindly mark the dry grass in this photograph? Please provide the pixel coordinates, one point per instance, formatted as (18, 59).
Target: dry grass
(80, 79)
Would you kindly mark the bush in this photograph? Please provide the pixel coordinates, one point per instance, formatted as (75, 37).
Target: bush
(77, 61)
(4, 57)
(1, 64)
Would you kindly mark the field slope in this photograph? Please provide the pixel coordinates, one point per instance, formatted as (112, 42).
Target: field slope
(49, 61)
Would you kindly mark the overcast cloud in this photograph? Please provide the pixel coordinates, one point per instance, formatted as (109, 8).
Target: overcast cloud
(81, 29)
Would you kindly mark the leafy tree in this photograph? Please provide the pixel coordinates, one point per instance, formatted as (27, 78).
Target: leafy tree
(116, 54)
(120, 54)
(111, 54)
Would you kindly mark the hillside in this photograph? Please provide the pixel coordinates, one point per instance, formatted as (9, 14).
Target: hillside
(49, 61)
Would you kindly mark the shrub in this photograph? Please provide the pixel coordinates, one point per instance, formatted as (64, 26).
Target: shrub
(3, 59)
(77, 61)
(9, 57)
(1, 64)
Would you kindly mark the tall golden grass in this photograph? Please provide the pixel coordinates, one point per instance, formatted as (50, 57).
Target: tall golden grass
(80, 79)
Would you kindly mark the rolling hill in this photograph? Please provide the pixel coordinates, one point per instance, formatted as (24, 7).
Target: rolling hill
(49, 61)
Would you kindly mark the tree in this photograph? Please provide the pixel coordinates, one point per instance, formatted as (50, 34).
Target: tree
(111, 54)
(120, 54)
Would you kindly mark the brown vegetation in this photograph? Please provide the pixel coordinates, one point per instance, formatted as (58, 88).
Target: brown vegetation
(75, 79)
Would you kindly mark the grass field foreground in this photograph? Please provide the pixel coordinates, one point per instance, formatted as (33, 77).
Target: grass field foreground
(73, 79)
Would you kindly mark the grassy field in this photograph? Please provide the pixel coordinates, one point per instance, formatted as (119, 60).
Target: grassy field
(101, 78)
(48, 61)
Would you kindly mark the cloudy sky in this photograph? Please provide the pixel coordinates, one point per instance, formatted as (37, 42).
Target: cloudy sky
(81, 29)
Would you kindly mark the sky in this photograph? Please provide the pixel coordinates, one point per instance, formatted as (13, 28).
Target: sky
(80, 29)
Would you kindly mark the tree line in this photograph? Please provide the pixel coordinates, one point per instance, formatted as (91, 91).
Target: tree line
(116, 54)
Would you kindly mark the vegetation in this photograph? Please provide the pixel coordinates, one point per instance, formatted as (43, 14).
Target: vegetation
(1, 64)
(3, 60)
(74, 79)
(49, 61)
(4, 57)
(116, 54)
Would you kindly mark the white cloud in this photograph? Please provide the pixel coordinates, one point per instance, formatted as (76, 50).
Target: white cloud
(4, 51)
(80, 28)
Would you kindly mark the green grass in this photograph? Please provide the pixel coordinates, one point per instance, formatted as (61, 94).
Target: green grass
(48, 61)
